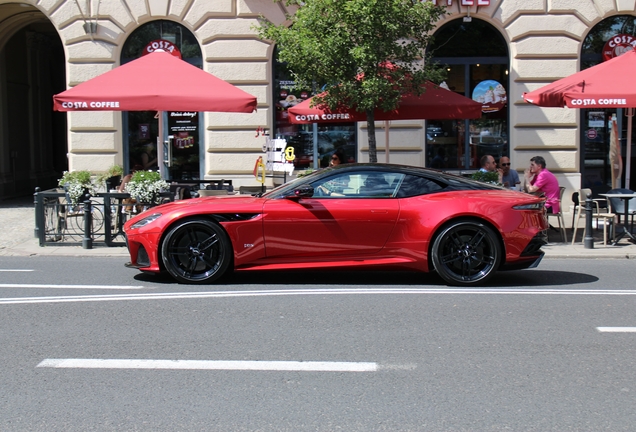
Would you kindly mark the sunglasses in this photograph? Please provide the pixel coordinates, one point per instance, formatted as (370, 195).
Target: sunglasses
(334, 158)
(505, 164)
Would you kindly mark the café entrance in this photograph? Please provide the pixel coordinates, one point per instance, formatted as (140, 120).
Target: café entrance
(179, 151)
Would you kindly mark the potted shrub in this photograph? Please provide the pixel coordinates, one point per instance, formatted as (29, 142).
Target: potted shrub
(111, 178)
(76, 184)
(144, 187)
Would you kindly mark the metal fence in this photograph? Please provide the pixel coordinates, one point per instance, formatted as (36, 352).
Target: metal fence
(96, 219)
(101, 218)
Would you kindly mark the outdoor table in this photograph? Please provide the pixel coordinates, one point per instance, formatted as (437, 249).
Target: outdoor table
(625, 198)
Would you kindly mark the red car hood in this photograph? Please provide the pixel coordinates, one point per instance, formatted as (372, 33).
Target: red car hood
(217, 204)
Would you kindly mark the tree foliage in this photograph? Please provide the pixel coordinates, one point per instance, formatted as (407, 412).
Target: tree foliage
(367, 53)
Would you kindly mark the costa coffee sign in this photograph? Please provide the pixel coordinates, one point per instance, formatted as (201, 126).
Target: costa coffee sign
(161, 44)
(462, 2)
(618, 45)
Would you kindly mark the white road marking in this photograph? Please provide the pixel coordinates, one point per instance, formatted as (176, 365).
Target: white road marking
(616, 329)
(316, 291)
(15, 270)
(49, 286)
(300, 366)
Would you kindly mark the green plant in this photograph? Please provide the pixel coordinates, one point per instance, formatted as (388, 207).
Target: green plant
(144, 186)
(491, 177)
(113, 171)
(75, 183)
(346, 45)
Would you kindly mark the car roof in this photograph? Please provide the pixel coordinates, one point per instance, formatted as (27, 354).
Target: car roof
(450, 180)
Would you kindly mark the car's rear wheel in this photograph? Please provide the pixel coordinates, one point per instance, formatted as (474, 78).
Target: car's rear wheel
(466, 253)
(196, 251)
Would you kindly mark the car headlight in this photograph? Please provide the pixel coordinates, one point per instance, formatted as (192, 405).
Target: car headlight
(145, 221)
(533, 206)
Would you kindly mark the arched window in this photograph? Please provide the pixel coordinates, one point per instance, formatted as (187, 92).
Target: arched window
(595, 128)
(475, 56)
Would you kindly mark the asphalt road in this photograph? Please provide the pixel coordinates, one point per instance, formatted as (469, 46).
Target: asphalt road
(90, 345)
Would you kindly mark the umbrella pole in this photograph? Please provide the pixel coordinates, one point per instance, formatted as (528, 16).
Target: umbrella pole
(386, 140)
(628, 152)
(162, 149)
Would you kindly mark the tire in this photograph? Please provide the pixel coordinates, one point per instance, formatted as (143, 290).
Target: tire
(196, 252)
(466, 253)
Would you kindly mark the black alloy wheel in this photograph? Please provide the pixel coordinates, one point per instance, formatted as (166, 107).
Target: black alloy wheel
(466, 253)
(196, 251)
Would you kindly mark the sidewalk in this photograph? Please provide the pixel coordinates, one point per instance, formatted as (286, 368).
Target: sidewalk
(17, 225)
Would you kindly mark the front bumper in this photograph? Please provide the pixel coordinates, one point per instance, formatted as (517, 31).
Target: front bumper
(143, 252)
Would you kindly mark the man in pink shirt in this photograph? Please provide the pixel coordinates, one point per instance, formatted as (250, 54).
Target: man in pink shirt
(539, 179)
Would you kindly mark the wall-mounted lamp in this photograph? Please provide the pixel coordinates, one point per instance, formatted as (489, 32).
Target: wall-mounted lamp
(468, 18)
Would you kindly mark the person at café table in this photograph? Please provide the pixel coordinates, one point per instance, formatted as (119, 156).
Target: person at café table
(488, 164)
(539, 179)
(337, 158)
(510, 179)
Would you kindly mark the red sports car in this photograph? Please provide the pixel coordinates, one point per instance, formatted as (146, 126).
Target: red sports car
(364, 216)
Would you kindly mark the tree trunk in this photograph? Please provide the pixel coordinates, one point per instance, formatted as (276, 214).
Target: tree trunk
(373, 150)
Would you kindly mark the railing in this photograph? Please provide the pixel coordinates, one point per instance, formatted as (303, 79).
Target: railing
(97, 219)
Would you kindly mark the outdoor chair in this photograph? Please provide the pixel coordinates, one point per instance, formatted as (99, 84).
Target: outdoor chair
(559, 216)
(607, 218)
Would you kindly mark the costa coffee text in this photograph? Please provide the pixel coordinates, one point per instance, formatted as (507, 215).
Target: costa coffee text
(594, 102)
(94, 104)
(315, 117)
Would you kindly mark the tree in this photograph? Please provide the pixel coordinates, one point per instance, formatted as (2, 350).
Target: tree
(368, 53)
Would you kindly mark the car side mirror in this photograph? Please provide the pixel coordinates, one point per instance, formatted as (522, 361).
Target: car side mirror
(302, 191)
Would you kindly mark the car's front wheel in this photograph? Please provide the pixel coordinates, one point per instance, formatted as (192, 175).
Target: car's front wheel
(196, 251)
(466, 253)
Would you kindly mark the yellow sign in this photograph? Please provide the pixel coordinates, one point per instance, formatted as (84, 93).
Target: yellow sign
(259, 166)
(289, 154)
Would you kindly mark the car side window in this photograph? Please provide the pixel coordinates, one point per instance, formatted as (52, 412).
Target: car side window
(414, 185)
(359, 185)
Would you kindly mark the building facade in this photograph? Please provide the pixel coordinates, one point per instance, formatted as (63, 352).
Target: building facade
(493, 50)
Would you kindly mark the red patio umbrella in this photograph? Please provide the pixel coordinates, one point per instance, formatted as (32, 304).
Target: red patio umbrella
(435, 103)
(607, 85)
(155, 82)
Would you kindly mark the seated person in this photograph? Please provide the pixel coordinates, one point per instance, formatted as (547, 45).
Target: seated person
(539, 179)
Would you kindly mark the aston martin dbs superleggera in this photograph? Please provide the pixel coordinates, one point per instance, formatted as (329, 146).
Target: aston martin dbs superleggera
(364, 216)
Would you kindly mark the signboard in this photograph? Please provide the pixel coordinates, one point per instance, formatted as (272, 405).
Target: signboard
(491, 95)
(278, 154)
(618, 45)
(183, 126)
(591, 134)
(163, 45)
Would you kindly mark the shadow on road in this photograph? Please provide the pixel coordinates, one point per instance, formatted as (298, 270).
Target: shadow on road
(509, 279)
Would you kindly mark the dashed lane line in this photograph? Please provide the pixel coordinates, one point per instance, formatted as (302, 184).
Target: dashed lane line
(299, 366)
(616, 329)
